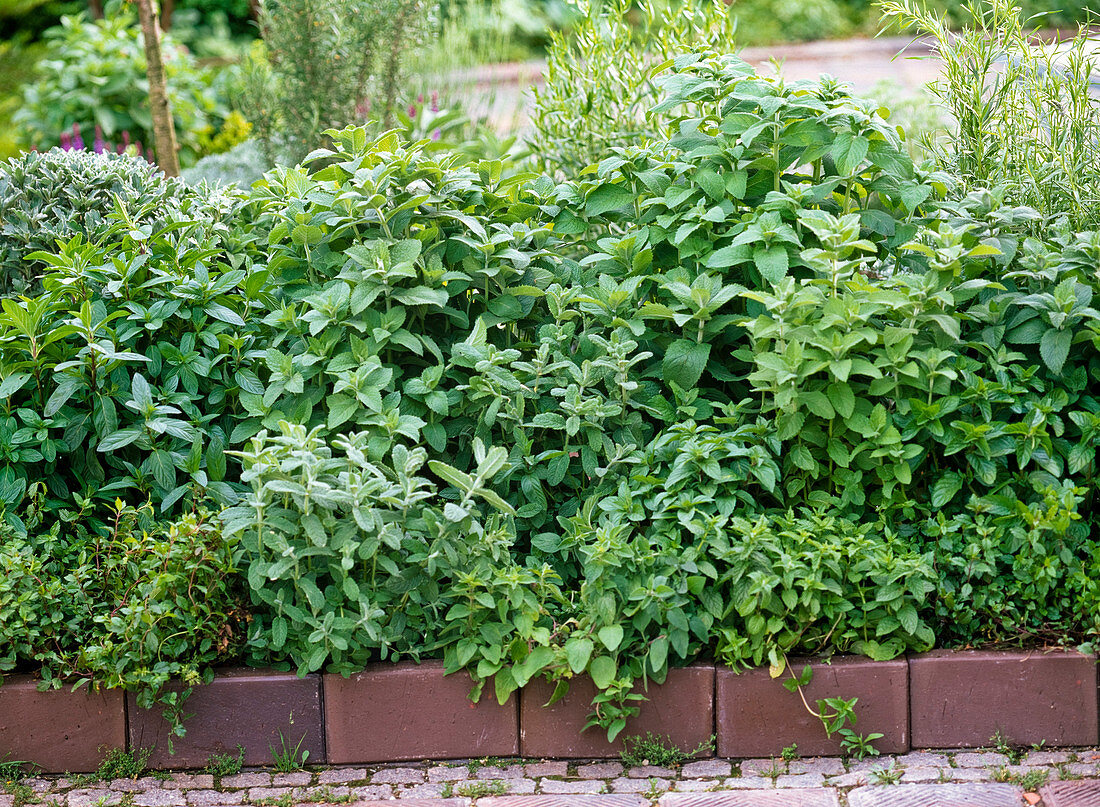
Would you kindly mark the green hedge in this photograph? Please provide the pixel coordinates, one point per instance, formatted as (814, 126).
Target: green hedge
(762, 388)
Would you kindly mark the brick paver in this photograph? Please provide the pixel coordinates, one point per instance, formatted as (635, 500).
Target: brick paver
(962, 778)
(949, 795)
(563, 801)
(774, 798)
(1071, 794)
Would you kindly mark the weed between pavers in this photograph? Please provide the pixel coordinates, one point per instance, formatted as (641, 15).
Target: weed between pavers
(287, 759)
(655, 790)
(490, 762)
(1030, 781)
(1001, 745)
(888, 776)
(474, 790)
(21, 793)
(775, 771)
(641, 751)
(323, 795)
(118, 764)
(219, 765)
(1065, 774)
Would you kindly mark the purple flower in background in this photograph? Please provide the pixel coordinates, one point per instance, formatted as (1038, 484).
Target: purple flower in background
(100, 145)
(78, 141)
(436, 134)
(137, 145)
(125, 144)
(435, 102)
(412, 110)
(66, 141)
(420, 98)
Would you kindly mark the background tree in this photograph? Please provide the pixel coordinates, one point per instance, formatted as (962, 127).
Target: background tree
(164, 129)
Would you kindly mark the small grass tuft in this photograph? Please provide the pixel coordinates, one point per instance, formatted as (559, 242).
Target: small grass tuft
(120, 764)
(1030, 781)
(219, 765)
(287, 759)
(653, 750)
(888, 776)
(1002, 745)
(476, 790)
(777, 769)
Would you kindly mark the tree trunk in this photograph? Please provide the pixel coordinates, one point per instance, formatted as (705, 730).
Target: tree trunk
(167, 8)
(164, 129)
(95, 7)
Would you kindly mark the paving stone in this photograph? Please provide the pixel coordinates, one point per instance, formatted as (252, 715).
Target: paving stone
(948, 795)
(770, 798)
(6, 801)
(751, 767)
(273, 793)
(600, 770)
(520, 787)
(582, 787)
(1024, 770)
(160, 798)
(190, 780)
(639, 785)
(466, 788)
(969, 775)
(747, 783)
(1081, 769)
(538, 769)
(213, 798)
(618, 800)
(340, 776)
(826, 766)
(489, 772)
(432, 790)
(1047, 757)
(39, 785)
(413, 803)
(133, 785)
(914, 775)
(971, 760)
(514, 772)
(246, 780)
(805, 780)
(446, 774)
(707, 767)
(695, 785)
(921, 759)
(1083, 793)
(295, 779)
(853, 779)
(647, 771)
(397, 776)
(372, 792)
(90, 798)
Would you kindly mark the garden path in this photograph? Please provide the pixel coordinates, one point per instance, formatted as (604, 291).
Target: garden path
(1064, 778)
(899, 64)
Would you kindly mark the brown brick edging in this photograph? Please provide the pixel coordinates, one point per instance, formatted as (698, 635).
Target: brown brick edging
(388, 713)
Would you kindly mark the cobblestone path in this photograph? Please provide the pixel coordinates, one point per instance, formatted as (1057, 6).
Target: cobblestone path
(920, 779)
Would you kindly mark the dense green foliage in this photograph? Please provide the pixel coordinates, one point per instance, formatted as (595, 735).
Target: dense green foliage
(52, 196)
(119, 603)
(1026, 111)
(752, 386)
(93, 75)
(116, 374)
